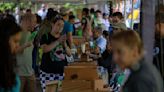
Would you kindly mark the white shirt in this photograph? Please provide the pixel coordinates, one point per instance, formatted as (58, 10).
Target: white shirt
(101, 42)
(42, 13)
(106, 24)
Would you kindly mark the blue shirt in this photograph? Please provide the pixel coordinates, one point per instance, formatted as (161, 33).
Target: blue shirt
(68, 27)
(16, 88)
(101, 42)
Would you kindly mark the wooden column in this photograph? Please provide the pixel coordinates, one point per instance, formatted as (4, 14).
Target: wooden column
(148, 27)
(131, 24)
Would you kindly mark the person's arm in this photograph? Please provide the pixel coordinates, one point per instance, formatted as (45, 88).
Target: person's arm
(48, 47)
(70, 39)
(23, 47)
(67, 49)
(23, 43)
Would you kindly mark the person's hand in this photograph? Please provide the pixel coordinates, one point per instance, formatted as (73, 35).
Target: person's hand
(68, 51)
(28, 44)
(110, 48)
(88, 53)
(62, 38)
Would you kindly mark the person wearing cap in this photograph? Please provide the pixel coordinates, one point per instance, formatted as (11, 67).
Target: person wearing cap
(106, 21)
(68, 26)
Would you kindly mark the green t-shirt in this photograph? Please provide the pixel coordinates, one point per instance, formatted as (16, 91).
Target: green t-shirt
(24, 59)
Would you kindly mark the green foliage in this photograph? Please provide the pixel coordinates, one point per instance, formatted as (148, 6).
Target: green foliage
(5, 6)
(25, 5)
(11, 6)
(68, 5)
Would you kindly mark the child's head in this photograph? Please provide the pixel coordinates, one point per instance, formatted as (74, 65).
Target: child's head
(72, 19)
(127, 48)
(85, 12)
(98, 14)
(117, 17)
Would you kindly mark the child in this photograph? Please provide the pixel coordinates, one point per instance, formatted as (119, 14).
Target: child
(128, 54)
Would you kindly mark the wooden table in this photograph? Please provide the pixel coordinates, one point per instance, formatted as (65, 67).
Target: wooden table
(83, 64)
(82, 76)
(78, 86)
(81, 73)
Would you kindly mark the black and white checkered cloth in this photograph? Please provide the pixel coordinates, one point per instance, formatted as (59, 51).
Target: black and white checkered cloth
(47, 77)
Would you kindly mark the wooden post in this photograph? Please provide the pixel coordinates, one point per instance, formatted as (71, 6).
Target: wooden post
(125, 15)
(131, 23)
(148, 27)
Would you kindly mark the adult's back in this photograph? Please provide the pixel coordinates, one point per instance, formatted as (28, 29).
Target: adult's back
(144, 78)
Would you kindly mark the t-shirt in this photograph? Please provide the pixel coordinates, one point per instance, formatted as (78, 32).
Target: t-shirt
(53, 61)
(106, 60)
(85, 21)
(24, 60)
(68, 27)
(101, 42)
(98, 22)
(144, 77)
(106, 24)
(16, 88)
(42, 13)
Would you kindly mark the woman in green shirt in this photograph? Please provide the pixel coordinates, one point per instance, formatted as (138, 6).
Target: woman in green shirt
(9, 40)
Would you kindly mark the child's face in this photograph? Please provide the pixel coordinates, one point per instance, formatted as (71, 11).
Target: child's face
(123, 55)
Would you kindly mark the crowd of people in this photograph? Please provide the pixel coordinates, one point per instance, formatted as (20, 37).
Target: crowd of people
(36, 46)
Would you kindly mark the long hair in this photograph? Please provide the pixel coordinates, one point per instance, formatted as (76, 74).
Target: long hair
(8, 28)
(27, 22)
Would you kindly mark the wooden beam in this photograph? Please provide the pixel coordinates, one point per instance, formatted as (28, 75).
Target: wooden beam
(148, 27)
